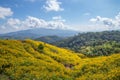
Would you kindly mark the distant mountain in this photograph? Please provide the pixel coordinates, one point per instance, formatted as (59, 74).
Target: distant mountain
(50, 39)
(38, 32)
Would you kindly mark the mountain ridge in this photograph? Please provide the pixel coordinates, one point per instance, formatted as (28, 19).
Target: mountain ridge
(38, 32)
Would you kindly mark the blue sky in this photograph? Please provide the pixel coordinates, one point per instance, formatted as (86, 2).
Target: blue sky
(82, 15)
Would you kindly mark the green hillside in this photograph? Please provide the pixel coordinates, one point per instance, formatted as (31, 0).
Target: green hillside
(93, 43)
(33, 60)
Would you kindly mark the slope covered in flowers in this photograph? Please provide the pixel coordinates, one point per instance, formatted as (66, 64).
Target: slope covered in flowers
(32, 60)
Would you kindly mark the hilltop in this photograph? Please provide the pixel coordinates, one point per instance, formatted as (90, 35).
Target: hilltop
(34, 60)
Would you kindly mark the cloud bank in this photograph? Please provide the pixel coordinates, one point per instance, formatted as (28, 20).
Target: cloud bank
(14, 24)
(107, 21)
(53, 5)
(4, 12)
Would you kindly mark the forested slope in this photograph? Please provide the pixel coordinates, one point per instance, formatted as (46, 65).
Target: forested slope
(93, 43)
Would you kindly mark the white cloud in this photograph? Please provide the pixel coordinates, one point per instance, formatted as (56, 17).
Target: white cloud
(91, 28)
(13, 24)
(10, 25)
(53, 5)
(31, 0)
(58, 18)
(57, 22)
(86, 14)
(107, 21)
(33, 22)
(4, 12)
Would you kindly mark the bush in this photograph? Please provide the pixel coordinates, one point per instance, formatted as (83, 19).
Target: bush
(41, 47)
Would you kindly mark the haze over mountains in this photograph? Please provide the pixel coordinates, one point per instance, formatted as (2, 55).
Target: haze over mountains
(38, 32)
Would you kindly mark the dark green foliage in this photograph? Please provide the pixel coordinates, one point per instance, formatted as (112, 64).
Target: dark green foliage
(104, 49)
(92, 43)
(41, 47)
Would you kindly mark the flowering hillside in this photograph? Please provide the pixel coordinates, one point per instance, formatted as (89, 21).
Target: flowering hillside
(33, 60)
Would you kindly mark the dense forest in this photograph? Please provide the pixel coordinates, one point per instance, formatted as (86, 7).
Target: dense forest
(33, 60)
(93, 43)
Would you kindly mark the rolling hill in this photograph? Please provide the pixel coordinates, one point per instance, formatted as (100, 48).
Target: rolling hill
(34, 60)
(50, 39)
